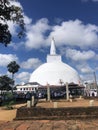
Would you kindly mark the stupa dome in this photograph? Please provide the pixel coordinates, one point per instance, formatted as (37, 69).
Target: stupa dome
(54, 71)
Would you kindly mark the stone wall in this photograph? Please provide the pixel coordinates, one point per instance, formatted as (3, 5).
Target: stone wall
(56, 113)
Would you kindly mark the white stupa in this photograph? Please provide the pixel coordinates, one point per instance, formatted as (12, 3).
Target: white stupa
(54, 70)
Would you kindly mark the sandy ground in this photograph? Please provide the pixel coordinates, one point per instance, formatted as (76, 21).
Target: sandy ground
(9, 115)
(72, 103)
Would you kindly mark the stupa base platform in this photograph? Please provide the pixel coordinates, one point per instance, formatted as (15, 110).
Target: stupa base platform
(37, 113)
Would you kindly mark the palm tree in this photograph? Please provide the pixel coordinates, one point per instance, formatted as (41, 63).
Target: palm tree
(13, 68)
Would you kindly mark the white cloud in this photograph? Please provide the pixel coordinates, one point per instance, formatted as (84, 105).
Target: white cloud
(12, 28)
(89, 0)
(23, 77)
(94, 0)
(70, 33)
(12, 25)
(89, 78)
(31, 63)
(77, 55)
(84, 68)
(58, 20)
(27, 20)
(5, 59)
(73, 33)
(35, 36)
(81, 59)
(16, 3)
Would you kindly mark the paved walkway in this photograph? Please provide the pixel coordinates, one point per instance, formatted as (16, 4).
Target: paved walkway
(49, 125)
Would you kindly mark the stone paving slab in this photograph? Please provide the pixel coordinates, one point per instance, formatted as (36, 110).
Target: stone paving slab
(50, 125)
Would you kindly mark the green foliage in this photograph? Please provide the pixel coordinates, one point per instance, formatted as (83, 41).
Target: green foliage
(9, 105)
(5, 36)
(8, 101)
(5, 83)
(9, 95)
(13, 67)
(9, 12)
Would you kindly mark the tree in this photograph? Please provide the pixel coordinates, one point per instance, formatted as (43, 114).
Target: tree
(5, 83)
(9, 12)
(13, 67)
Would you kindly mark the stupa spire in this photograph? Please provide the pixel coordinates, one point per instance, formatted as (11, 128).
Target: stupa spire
(53, 57)
(53, 48)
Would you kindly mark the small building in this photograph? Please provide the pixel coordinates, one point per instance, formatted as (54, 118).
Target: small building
(28, 87)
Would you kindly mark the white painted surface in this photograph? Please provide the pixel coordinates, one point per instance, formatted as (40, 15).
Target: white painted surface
(53, 72)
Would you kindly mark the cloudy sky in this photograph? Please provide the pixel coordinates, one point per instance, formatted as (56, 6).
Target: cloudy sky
(72, 23)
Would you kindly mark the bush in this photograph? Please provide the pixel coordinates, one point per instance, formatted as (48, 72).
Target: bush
(9, 105)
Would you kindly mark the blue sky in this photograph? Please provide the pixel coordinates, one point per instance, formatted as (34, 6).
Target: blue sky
(72, 23)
